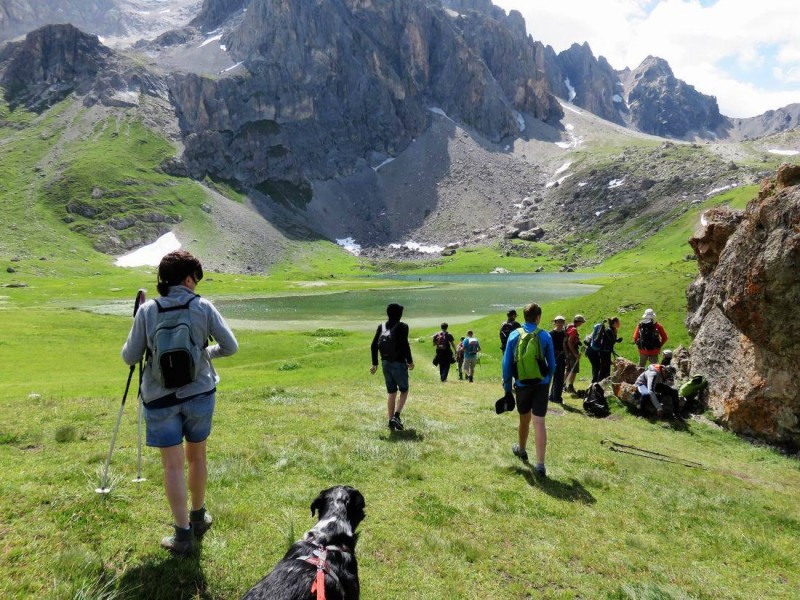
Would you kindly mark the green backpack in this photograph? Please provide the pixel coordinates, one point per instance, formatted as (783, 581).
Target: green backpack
(529, 364)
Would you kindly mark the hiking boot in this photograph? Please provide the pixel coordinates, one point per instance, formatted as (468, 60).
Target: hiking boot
(571, 389)
(200, 520)
(392, 424)
(540, 471)
(470, 378)
(398, 422)
(557, 400)
(521, 454)
(181, 542)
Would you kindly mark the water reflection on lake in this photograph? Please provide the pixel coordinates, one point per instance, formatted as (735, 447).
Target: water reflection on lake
(452, 298)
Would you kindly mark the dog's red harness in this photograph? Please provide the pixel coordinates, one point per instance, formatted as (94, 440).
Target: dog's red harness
(319, 558)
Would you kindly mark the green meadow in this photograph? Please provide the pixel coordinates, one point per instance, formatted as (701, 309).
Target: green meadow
(451, 513)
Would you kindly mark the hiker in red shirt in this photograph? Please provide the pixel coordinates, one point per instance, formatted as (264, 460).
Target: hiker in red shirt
(572, 346)
(649, 337)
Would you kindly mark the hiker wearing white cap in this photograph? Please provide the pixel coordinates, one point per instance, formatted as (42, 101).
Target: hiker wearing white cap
(558, 334)
(572, 346)
(649, 336)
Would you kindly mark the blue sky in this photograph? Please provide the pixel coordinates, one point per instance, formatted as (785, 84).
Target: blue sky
(744, 52)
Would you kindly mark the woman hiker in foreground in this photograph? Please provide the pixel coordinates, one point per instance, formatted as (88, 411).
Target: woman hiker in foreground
(179, 387)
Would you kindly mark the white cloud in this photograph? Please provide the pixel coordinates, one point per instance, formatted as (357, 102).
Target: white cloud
(696, 40)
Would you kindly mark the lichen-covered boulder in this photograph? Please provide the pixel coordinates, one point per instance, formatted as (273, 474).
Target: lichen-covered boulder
(743, 312)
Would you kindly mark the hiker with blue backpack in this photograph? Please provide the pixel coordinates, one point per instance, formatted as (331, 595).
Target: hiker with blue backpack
(649, 336)
(529, 363)
(601, 347)
(178, 387)
(471, 349)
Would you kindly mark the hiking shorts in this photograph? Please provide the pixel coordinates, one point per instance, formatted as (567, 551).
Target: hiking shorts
(190, 420)
(395, 374)
(571, 360)
(533, 398)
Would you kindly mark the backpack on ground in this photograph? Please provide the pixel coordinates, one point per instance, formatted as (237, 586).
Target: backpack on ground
(595, 403)
(440, 339)
(693, 387)
(176, 356)
(529, 364)
(648, 336)
(387, 342)
(693, 392)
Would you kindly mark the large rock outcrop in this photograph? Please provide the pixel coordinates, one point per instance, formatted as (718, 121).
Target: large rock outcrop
(333, 85)
(742, 312)
(596, 85)
(56, 60)
(661, 104)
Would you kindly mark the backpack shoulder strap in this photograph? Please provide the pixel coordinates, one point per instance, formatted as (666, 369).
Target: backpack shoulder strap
(161, 309)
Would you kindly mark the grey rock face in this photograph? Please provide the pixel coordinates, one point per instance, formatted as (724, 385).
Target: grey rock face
(57, 60)
(330, 84)
(595, 82)
(745, 339)
(49, 64)
(662, 105)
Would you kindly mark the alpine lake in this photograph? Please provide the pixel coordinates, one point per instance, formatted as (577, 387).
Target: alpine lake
(455, 298)
(428, 300)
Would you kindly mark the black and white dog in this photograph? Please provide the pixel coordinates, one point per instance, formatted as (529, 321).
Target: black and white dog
(321, 566)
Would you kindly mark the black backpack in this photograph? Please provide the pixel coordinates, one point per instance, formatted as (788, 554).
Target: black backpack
(648, 336)
(176, 358)
(505, 330)
(440, 339)
(595, 403)
(386, 342)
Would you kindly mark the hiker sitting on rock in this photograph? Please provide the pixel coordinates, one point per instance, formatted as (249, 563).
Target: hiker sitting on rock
(653, 385)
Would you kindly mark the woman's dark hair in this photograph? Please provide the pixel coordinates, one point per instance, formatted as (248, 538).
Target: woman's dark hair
(175, 267)
(612, 320)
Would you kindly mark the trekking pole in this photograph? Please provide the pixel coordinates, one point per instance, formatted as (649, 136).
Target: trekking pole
(104, 489)
(140, 298)
(642, 453)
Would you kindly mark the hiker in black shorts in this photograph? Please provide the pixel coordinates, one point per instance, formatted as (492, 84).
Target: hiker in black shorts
(391, 342)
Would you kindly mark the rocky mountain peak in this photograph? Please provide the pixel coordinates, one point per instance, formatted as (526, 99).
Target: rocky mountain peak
(661, 104)
(49, 64)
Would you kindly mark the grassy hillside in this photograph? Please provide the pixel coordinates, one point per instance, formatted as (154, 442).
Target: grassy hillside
(451, 513)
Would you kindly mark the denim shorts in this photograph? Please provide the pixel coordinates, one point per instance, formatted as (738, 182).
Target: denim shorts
(191, 420)
(395, 374)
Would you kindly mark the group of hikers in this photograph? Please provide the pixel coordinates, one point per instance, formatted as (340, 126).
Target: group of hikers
(538, 365)
(178, 382)
(465, 354)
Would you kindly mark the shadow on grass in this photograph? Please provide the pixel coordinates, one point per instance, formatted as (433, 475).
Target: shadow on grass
(407, 435)
(165, 577)
(676, 424)
(570, 409)
(572, 491)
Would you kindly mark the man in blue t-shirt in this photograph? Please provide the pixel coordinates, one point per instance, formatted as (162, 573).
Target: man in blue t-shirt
(471, 348)
(531, 398)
